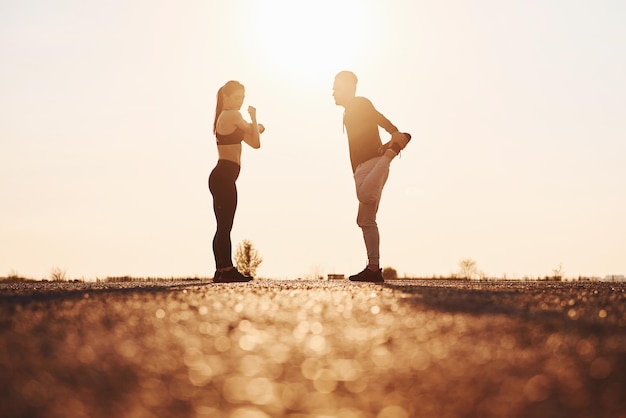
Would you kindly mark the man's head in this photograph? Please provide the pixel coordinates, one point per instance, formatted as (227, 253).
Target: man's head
(344, 87)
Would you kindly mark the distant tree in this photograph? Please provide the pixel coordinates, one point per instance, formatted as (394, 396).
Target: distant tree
(317, 273)
(389, 273)
(467, 268)
(557, 273)
(247, 258)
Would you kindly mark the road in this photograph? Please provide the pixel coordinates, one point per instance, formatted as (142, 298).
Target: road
(313, 349)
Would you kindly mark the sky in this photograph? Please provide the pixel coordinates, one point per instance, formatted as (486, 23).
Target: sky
(517, 112)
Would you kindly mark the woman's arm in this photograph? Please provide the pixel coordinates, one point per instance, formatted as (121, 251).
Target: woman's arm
(251, 130)
(253, 136)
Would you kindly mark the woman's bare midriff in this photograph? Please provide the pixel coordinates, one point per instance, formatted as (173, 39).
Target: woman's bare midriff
(230, 152)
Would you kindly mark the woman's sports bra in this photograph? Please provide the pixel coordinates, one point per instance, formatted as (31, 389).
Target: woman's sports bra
(233, 138)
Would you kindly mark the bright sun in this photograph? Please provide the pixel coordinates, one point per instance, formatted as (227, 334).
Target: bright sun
(308, 41)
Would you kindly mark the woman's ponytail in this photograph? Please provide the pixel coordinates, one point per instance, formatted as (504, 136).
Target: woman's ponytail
(218, 108)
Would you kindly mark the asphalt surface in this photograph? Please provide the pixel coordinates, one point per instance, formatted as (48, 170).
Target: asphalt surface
(309, 349)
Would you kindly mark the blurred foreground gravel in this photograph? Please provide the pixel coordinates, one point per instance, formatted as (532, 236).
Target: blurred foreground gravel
(313, 349)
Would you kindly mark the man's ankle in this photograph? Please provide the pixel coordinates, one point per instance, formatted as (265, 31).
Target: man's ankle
(390, 153)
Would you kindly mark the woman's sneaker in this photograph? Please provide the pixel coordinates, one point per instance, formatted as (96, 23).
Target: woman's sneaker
(368, 275)
(230, 276)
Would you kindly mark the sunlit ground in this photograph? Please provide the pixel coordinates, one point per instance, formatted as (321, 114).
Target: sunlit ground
(313, 349)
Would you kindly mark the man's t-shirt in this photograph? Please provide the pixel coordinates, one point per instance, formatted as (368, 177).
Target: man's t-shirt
(362, 120)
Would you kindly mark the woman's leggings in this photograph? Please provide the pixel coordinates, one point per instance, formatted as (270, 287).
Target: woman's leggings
(222, 186)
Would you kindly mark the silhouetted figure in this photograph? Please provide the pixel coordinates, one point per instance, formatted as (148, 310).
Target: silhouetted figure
(370, 161)
(230, 130)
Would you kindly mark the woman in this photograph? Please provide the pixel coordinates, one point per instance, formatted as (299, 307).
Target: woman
(230, 129)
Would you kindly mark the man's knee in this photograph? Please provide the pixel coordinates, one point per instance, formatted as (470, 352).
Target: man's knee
(367, 197)
(366, 223)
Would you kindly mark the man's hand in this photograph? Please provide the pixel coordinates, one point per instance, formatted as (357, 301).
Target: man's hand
(397, 143)
(399, 138)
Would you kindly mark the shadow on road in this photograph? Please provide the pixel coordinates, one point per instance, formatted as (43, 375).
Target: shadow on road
(580, 306)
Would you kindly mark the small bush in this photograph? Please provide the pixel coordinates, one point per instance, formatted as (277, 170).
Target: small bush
(58, 275)
(389, 273)
(247, 258)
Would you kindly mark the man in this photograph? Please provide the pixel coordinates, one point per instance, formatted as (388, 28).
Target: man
(370, 163)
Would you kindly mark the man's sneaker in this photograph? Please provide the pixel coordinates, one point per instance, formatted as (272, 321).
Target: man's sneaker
(395, 147)
(368, 275)
(230, 276)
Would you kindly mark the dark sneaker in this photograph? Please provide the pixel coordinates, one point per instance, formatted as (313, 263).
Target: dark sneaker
(395, 147)
(368, 275)
(230, 276)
